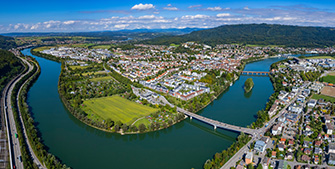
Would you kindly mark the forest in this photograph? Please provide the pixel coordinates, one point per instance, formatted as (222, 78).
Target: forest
(9, 67)
(7, 42)
(256, 34)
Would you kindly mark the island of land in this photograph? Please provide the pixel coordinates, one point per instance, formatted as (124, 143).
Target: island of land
(248, 85)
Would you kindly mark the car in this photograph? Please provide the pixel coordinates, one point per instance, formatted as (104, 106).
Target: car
(20, 158)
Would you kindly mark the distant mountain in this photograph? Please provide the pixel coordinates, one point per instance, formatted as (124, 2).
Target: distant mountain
(7, 42)
(257, 34)
(117, 35)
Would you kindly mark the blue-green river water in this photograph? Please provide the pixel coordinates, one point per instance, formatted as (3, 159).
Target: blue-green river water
(185, 145)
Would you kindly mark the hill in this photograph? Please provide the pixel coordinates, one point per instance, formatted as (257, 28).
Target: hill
(7, 42)
(256, 34)
(136, 34)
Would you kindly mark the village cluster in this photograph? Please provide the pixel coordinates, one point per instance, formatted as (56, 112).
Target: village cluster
(303, 135)
(95, 55)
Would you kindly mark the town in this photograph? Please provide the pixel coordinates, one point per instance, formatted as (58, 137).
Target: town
(300, 133)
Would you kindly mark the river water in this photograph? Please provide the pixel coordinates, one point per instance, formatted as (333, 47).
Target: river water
(185, 145)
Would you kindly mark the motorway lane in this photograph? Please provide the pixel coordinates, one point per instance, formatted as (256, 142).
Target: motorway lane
(12, 126)
(33, 155)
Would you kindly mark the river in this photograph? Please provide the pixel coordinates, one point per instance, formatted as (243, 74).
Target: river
(185, 145)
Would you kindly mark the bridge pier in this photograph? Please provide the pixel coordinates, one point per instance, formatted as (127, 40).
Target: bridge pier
(214, 127)
(191, 117)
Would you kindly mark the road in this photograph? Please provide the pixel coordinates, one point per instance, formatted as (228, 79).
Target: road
(31, 151)
(14, 145)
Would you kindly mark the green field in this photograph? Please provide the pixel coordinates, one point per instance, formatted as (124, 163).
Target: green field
(319, 57)
(328, 79)
(117, 108)
(78, 67)
(326, 98)
(39, 49)
(101, 78)
(144, 121)
(94, 73)
(102, 47)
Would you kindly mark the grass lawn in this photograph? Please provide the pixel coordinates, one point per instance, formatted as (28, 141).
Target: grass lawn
(92, 73)
(101, 78)
(145, 121)
(117, 108)
(78, 67)
(102, 47)
(39, 49)
(329, 79)
(282, 66)
(326, 98)
(319, 57)
(82, 45)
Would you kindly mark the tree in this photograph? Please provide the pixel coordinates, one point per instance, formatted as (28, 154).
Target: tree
(250, 166)
(248, 85)
(134, 128)
(124, 127)
(259, 166)
(142, 127)
(208, 164)
(117, 128)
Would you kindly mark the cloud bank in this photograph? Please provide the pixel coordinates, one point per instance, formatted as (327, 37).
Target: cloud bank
(208, 17)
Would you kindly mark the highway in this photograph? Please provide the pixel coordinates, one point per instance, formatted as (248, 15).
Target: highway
(31, 151)
(13, 142)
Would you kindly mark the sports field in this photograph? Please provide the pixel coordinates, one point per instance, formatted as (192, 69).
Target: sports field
(329, 79)
(117, 108)
(326, 98)
(319, 57)
(328, 91)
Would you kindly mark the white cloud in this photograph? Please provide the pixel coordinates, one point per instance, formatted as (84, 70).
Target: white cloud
(194, 16)
(69, 22)
(195, 6)
(223, 14)
(142, 7)
(171, 8)
(147, 17)
(246, 8)
(217, 8)
(121, 26)
(234, 16)
(168, 5)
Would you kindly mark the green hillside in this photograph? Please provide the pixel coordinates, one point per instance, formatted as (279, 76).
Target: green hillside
(257, 34)
(7, 42)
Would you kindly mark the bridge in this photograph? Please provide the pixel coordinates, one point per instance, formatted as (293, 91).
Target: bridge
(217, 124)
(259, 73)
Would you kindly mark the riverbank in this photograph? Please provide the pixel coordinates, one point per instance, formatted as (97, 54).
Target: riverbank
(179, 146)
(78, 115)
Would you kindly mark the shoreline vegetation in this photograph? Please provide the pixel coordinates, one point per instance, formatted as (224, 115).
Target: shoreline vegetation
(242, 139)
(119, 127)
(32, 132)
(248, 85)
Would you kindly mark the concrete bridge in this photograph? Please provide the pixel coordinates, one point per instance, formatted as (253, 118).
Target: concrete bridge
(259, 73)
(217, 124)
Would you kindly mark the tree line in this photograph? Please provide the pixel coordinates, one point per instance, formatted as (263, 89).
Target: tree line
(41, 151)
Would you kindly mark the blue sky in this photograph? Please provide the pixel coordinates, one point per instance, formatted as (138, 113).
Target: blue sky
(102, 15)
